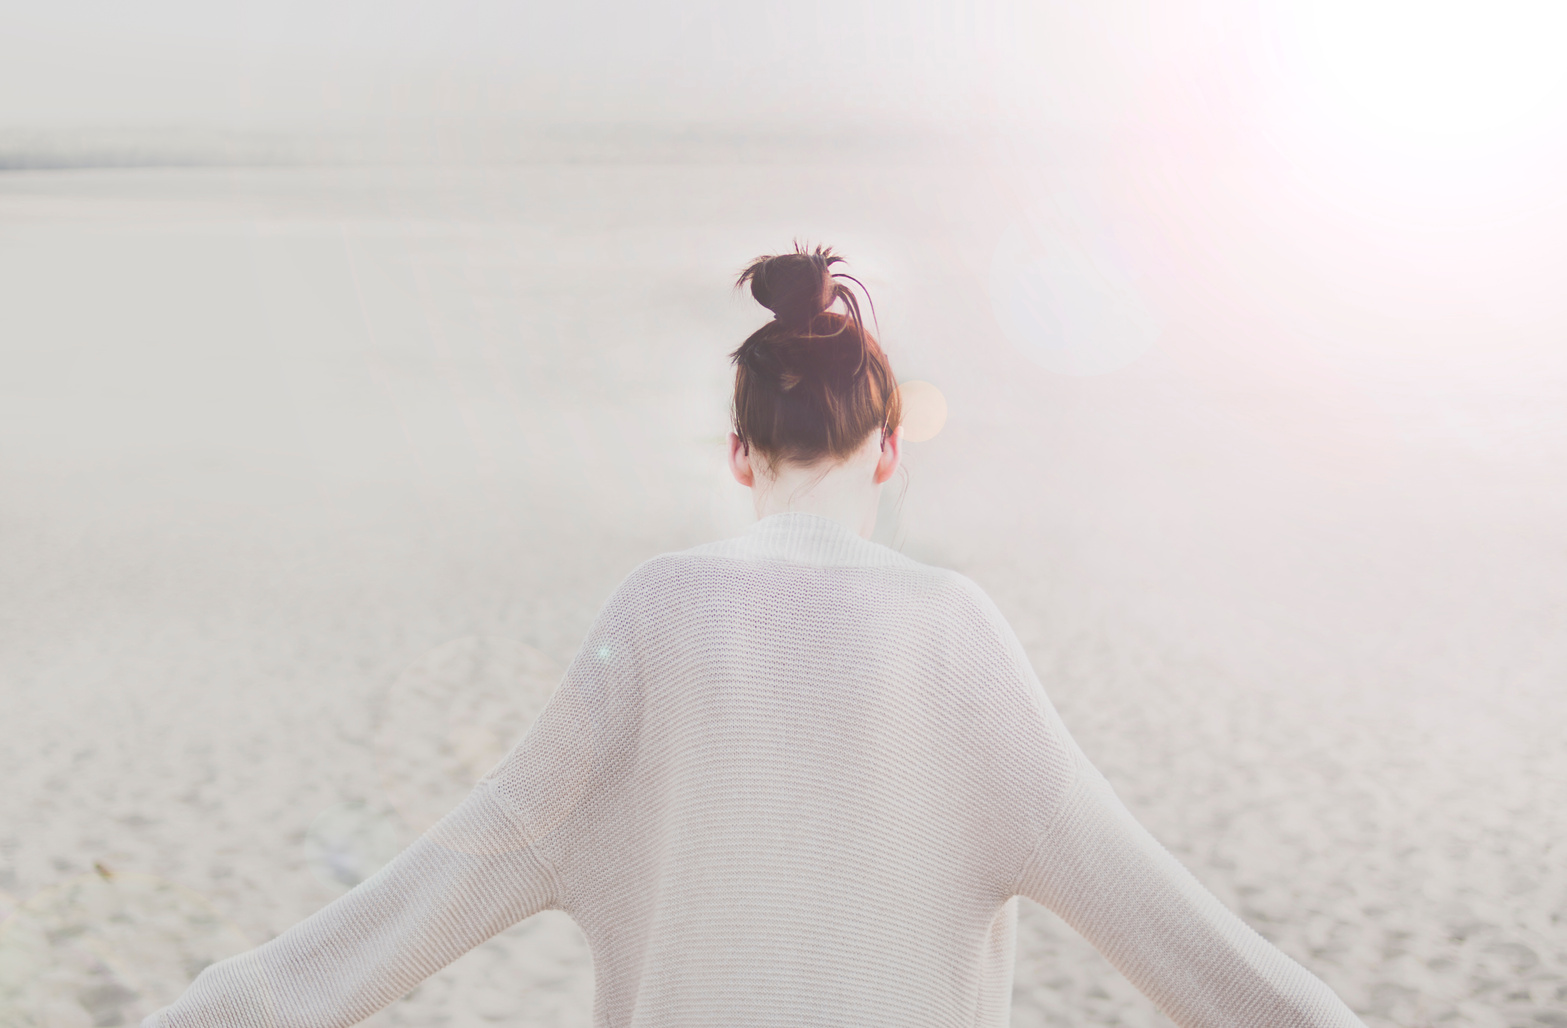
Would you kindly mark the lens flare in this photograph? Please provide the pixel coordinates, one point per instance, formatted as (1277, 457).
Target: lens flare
(1428, 70)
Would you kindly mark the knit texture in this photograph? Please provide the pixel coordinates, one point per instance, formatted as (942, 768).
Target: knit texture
(791, 779)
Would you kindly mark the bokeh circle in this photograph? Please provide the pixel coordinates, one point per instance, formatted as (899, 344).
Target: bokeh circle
(924, 411)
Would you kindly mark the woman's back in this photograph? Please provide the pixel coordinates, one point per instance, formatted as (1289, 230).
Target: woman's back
(820, 774)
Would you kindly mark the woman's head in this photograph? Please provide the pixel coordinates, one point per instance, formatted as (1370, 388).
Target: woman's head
(812, 384)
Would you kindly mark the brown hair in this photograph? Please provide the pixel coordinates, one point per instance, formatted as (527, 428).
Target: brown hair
(812, 382)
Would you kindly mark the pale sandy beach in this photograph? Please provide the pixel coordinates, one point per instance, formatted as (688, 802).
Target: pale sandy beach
(311, 479)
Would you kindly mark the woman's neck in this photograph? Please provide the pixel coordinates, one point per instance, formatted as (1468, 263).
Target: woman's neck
(845, 491)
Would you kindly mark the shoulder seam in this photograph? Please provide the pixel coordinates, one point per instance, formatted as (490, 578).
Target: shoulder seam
(1050, 825)
(557, 888)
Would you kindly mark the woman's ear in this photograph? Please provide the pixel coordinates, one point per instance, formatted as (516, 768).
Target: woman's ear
(740, 462)
(891, 455)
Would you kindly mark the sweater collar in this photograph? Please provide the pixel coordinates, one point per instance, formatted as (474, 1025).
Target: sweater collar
(812, 539)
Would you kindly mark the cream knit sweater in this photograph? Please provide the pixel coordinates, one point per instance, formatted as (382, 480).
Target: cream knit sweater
(791, 779)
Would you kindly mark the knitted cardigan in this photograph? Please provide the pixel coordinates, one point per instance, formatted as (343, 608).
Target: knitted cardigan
(791, 779)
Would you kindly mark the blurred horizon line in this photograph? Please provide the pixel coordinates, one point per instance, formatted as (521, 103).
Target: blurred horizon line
(490, 142)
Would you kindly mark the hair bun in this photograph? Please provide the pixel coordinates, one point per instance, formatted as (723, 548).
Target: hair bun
(794, 286)
(812, 382)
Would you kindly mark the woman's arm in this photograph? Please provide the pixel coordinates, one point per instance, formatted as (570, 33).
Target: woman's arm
(474, 874)
(1107, 877)
(468, 878)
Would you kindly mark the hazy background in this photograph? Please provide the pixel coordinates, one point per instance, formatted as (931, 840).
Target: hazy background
(351, 354)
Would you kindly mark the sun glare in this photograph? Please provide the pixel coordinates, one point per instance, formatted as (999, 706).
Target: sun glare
(1430, 71)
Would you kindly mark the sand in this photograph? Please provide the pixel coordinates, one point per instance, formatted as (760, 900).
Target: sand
(315, 476)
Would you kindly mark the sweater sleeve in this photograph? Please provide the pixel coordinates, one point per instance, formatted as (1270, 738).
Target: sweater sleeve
(475, 873)
(469, 877)
(1107, 877)
(1111, 880)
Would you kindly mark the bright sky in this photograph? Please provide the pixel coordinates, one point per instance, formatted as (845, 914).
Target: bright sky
(1424, 70)
(90, 60)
